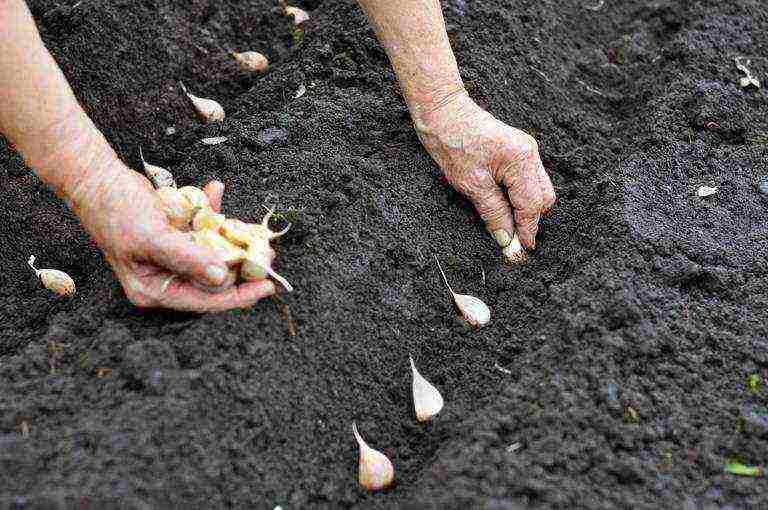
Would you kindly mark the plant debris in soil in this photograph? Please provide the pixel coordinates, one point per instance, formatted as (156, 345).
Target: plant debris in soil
(640, 295)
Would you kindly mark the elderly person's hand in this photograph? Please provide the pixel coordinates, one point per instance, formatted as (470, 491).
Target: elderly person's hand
(478, 155)
(158, 265)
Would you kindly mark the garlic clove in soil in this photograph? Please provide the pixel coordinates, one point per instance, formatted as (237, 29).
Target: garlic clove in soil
(208, 109)
(53, 279)
(514, 252)
(299, 15)
(251, 61)
(705, 191)
(375, 470)
(427, 400)
(158, 175)
(178, 209)
(474, 311)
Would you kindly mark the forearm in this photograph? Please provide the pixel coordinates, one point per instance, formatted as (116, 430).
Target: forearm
(40, 115)
(414, 37)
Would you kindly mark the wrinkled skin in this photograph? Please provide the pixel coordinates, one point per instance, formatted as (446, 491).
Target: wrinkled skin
(127, 221)
(478, 154)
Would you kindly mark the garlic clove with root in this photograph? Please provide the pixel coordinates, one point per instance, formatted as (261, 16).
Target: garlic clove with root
(299, 15)
(208, 109)
(53, 279)
(237, 232)
(232, 254)
(178, 209)
(474, 311)
(158, 175)
(375, 470)
(251, 61)
(427, 400)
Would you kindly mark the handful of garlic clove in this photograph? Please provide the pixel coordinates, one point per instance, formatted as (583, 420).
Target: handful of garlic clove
(245, 246)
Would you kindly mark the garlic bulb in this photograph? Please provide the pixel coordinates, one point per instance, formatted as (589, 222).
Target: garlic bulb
(208, 109)
(705, 191)
(159, 176)
(178, 209)
(252, 61)
(53, 279)
(299, 15)
(475, 312)
(375, 471)
(427, 400)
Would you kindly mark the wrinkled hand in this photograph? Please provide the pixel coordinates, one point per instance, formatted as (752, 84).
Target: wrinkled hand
(157, 265)
(478, 154)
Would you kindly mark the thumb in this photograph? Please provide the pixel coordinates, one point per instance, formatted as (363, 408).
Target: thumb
(214, 190)
(492, 204)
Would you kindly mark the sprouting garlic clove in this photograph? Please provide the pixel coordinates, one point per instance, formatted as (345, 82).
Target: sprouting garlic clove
(251, 61)
(299, 15)
(208, 109)
(196, 197)
(375, 470)
(237, 232)
(205, 219)
(427, 400)
(256, 265)
(474, 311)
(53, 279)
(232, 254)
(705, 191)
(158, 175)
(177, 207)
(514, 253)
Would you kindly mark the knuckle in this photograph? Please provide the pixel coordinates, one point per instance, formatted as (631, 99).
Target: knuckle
(474, 183)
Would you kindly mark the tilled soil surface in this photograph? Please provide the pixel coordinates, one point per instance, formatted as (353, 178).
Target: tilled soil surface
(617, 359)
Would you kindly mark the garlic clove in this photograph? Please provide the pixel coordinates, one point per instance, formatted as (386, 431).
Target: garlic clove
(208, 109)
(375, 470)
(158, 175)
(232, 254)
(474, 311)
(427, 400)
(299, 15)
(514, 253)
(196, 197)
(53, 279)
(705, 191)
(178, 209)
(207, 219)
(252, 61)
(238, 232)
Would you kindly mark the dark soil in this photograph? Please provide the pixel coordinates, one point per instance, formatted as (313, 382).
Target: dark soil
(617, 358)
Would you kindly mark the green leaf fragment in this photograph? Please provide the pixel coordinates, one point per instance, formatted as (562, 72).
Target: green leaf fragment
(736, 468)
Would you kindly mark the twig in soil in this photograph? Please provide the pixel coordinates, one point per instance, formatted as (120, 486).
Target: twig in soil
(749, 80)
(285, 312)
(541, 74)
(482, 270)
(513, 447)
(597, 7)
(591, 89)
(501, 369)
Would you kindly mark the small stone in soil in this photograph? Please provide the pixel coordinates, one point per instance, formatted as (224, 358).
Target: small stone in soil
(762, 185)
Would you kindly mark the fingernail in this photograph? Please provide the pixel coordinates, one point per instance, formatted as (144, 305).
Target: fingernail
(502, 237)
(216, 274)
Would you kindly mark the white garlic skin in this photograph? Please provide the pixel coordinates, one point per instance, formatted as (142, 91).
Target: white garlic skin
(375, 470)
(53, 279)
(158, 175)
(475, 312)
(251, 61)
(299, 15)
(208, 109)
(705, 191)
(427, 400)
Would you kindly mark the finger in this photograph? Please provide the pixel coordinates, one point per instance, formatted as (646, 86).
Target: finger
(525, 194)
(214, 190)
(177, 253)
(490, 202)
(182, 295)
(547, 190)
